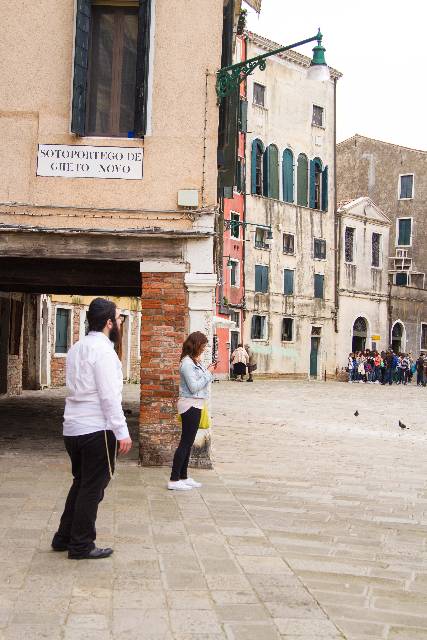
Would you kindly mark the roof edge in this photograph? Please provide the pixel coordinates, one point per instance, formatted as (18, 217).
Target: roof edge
(291, 55)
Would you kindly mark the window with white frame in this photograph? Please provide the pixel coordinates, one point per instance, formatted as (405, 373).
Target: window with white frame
(234, 273)
(235, 317)
(349, 244)
(424, 336)
(258, 327)
(319, 249)
(318, 116)
(376, 249)
(288, 243)
(406, 186)
(261, 238)
(62, 330)
(287, 329)
(404, 232)
(259, 94)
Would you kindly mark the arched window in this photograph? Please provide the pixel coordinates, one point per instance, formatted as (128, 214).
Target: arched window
(271, 172)
(302, 180)
(316, 168)
(288, 175)
(257, 167)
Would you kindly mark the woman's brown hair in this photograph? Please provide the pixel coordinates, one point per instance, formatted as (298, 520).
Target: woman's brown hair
(193, 345)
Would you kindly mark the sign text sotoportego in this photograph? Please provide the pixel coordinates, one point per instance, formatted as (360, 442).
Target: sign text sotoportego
(80, 161)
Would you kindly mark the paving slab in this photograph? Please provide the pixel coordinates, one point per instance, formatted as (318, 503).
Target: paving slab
(313, 524)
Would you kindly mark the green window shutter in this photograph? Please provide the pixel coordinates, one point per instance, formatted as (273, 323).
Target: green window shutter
(273, 172)
(266, 172)
(243, 116)
(288, 282)
(142, 67)
(261, 278)
(319, 285)
(302, 180)
(325, 189)
(81, 63)
(257, 150)
(265, 279)
(61, 333)
(288, 175)
(312, 184)
(405, 225)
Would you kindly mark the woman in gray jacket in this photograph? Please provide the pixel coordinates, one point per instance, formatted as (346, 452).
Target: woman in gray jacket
(194, 384)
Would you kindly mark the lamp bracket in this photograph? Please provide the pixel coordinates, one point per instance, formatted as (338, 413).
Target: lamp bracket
(228, 79)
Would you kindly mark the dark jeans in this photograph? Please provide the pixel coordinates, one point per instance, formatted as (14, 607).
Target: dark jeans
(420, 377)
(91, 474)
(389, 375)
(190, 424)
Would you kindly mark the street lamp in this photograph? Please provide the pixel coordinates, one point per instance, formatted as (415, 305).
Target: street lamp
(229, 78)
(318, 68)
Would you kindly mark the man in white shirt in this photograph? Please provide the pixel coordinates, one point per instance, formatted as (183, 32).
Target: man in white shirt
(94, 423)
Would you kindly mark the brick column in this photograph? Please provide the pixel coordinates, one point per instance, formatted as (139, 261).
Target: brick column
(164, 316)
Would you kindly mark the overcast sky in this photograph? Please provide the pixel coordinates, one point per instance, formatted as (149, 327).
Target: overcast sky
(380, 46)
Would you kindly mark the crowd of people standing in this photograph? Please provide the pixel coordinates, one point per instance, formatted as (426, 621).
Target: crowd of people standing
(386, 367)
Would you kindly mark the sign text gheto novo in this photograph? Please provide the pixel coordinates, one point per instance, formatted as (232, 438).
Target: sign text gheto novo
(79, 161)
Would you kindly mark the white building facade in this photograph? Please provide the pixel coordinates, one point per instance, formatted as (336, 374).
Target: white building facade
(289, 262)
(363, 278)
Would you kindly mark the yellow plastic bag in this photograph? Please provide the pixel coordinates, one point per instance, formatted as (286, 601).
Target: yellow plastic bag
(205, 419)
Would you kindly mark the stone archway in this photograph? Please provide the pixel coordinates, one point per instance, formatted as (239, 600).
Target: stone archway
(398, 337)
(360, 334)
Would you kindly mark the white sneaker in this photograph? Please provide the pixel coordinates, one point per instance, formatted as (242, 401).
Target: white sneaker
(179, 485)
(192, 483)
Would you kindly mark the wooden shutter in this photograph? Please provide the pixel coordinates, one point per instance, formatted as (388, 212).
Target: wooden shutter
(318, 285)
(404, 232)
(312, 184)
(266, 173)
(253, 165)
(61, 337)
(325, 189)
(243, 116)
(302, 170)
(273, 172)
(258, 278)
(288, 175)
(81, 62)
(264, 279)
(288, 282)
(142, 67)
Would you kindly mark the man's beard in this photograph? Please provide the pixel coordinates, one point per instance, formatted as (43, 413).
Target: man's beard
(114, 334)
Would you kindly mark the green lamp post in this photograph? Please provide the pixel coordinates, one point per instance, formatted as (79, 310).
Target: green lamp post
(229, 78)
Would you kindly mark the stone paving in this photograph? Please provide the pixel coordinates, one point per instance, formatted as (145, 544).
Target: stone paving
(313, 524)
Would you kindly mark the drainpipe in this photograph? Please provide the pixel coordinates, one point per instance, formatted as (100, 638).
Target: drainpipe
(389, 312)
(337, 220)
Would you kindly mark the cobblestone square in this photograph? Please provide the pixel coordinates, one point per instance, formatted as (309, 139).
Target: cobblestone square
(312, 524)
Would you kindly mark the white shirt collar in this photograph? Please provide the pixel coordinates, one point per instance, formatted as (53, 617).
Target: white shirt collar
(100, 334)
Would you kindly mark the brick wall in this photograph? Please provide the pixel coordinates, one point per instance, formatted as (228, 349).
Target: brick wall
(163, 328)
(135, 354)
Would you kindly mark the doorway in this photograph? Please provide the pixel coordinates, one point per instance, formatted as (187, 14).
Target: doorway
(397, 337)
(360, 333)
(314, 356)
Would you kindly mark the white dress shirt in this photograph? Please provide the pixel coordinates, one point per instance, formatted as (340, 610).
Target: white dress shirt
(95, 385)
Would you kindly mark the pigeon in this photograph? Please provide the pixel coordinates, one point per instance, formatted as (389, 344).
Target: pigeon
(402, 426)
(356, 413)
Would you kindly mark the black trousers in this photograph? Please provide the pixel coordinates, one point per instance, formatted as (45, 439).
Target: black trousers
(190, 424)
(91, 475)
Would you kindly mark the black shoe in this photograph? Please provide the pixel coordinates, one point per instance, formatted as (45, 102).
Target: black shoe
(59, 547)
(94, 554)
